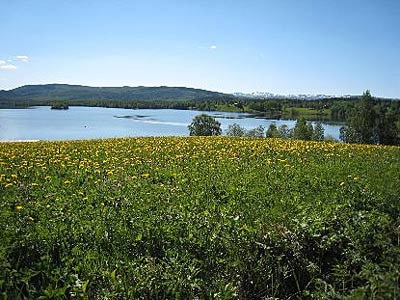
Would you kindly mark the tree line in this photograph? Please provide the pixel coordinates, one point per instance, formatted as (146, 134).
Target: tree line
(205, 125)
(368, 121)
(372, 122)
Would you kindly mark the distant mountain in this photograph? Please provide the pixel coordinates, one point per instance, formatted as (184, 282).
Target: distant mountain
(65, 92)
(267, 95)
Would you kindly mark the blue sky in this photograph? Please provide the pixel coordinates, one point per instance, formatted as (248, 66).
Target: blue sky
(281, 46)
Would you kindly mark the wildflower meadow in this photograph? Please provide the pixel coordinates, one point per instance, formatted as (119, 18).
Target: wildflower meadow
(199, 218)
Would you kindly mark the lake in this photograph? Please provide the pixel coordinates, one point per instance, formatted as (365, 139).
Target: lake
(43, 123)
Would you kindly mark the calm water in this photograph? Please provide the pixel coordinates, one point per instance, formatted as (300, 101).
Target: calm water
(42, 123)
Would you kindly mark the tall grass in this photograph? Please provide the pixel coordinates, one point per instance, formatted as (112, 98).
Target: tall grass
(199, 218)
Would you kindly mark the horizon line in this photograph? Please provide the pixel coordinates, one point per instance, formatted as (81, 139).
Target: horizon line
(197, 88)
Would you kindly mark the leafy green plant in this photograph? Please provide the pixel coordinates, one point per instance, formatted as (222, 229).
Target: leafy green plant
(199, 218)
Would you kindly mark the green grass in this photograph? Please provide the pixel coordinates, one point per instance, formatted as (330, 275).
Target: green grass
(306, 113)
(199, 218)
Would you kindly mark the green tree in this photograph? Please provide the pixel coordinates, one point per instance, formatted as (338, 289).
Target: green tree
(389, 127)
(303, 130)
(318, 132)
(235, 130)
(349, 135)
(285, 132)
(256, 132)
(272, 131)
(363, 122)
(204, 125)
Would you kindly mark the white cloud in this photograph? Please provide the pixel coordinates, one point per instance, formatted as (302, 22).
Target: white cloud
(7, 67)
(23, 58)
(2, 62)
(213, 47)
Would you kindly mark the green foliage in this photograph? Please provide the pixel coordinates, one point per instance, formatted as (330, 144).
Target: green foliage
(371, 122)
(235, 130)
(318, 132)
(349, 135)
(258, 132)
(285, 132)
(67, 92)
(363, 120)
(388, 127)
(272, 131)
(59, 105)
(199, 218)
(303, 130)
(204, 125)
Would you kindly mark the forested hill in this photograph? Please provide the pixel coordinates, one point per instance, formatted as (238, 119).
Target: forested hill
(65, 92)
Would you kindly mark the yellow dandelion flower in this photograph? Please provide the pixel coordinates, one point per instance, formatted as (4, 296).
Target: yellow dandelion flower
(19, 207)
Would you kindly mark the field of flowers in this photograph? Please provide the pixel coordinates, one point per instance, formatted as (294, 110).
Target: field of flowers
(199, 218)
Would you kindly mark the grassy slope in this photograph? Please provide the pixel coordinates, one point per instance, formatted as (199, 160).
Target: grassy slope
(199, 217)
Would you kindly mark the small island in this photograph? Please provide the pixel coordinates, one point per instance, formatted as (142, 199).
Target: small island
(60, 106)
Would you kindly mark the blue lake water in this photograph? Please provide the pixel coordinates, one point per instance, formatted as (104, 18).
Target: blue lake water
(43, 123)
